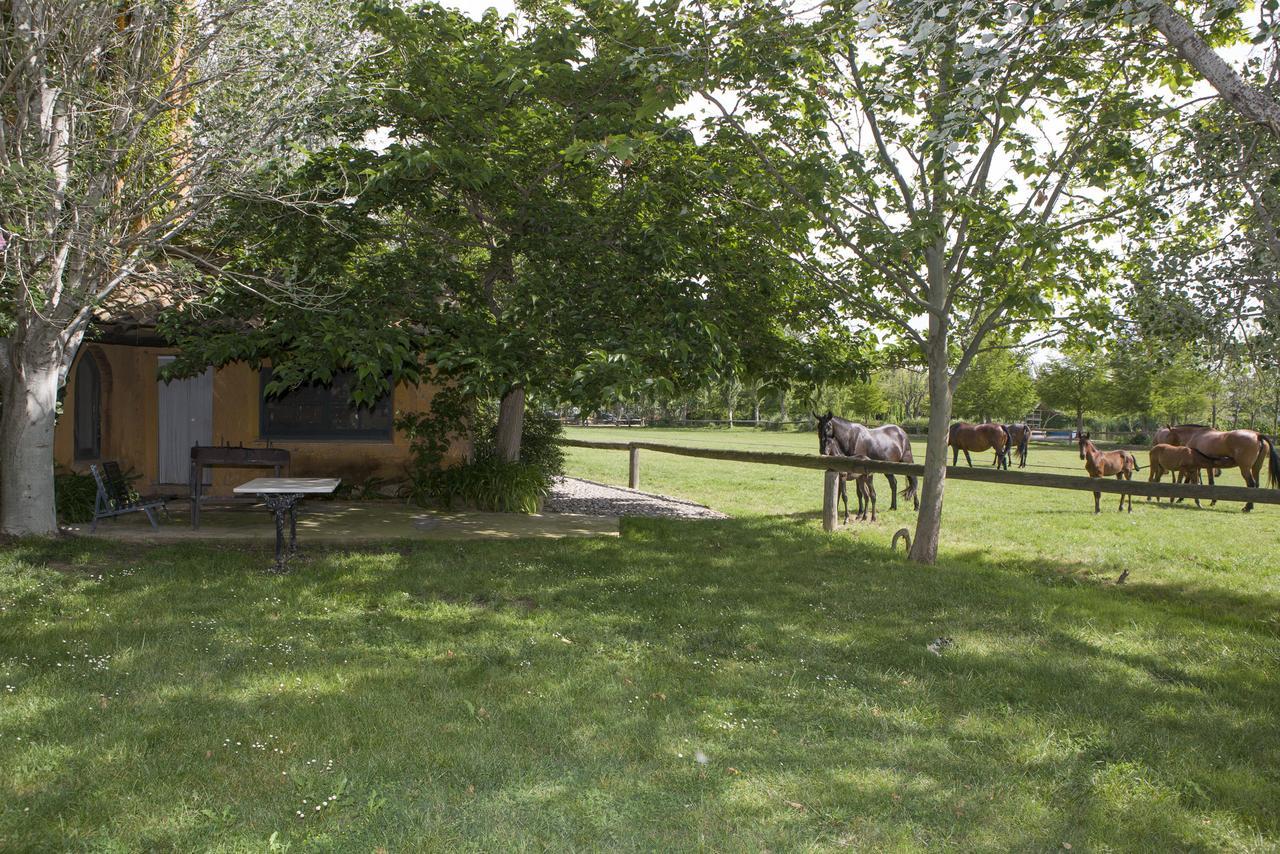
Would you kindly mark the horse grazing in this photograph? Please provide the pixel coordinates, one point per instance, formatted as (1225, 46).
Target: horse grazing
(1182, 462)
(1097, 463)
(840, 437)
(979, 437)
(1019, 435)
(1247, 449)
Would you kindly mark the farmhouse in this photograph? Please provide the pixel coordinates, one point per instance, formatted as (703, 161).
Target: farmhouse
(115, 408)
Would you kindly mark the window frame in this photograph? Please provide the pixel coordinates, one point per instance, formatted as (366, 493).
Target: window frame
(380, 435)
(93, 451)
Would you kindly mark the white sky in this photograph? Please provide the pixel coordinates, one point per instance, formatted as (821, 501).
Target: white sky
(475, 8)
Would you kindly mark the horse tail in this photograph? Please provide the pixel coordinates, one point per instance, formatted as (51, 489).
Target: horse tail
(1134, 457)
(1273, 474)
(909, 492)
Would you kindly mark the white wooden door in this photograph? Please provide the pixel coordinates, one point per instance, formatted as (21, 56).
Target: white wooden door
(186, 419)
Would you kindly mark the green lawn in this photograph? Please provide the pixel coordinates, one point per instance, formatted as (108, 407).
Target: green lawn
(746, 684)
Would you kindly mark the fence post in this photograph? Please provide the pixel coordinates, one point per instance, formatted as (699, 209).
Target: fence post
(830, 495)
(633, 477)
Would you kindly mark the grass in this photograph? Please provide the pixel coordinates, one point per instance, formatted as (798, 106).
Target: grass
(745, 684)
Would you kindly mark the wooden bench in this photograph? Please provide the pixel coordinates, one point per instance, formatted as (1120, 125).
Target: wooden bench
(115, 498)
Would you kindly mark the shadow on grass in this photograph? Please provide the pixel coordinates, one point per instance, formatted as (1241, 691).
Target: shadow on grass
(492, 693)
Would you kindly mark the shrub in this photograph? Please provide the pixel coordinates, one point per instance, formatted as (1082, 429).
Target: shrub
(74, 495)
(485, 482)
(491, 484)
(1140, 438)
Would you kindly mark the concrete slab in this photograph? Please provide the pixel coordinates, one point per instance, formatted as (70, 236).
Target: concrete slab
(334, 521)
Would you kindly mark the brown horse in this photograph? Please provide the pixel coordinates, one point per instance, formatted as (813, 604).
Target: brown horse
(1247, 449)
(1182, 462)
(979, 437)
(1097, 463)
(1019, 435)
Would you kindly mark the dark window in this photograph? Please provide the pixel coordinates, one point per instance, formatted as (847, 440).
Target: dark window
(88, 409)
(318, 411)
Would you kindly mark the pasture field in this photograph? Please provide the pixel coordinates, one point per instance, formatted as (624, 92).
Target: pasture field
(735, 685)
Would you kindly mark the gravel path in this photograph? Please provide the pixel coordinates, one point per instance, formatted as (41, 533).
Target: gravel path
(573, 495)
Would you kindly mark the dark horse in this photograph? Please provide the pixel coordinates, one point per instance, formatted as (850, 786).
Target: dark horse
(979, 437)
(1019, 435)
(838, 437)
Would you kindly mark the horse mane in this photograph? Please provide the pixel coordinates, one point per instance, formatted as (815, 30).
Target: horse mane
(1201, 426)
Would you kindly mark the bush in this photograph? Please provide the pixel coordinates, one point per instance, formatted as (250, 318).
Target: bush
(491, 484)
(74, 495)
(486, 482)
(1140, 438)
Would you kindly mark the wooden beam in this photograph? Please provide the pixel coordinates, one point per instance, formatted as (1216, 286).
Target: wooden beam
(830, 497)
(983, 474)
(633, 471)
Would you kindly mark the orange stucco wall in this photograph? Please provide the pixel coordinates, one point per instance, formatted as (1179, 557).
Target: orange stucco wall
(130, 425)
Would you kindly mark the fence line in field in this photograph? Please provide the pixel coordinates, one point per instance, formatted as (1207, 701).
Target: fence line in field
(1012, 477)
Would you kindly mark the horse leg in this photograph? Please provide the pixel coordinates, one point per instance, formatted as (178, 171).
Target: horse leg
(893, 490)
(1249, 482)
(1097, 503)
(844, 495)
(968, 459)
(955, 454)
(915, 492)
(1212, 502)
(871, 497)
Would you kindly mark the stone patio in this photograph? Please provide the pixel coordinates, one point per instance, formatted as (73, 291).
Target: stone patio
(348, 522)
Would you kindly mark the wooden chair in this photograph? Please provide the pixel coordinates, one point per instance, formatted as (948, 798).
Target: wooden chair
(115, 498)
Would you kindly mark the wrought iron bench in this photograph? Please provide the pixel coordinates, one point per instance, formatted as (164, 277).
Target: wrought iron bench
(115, 498)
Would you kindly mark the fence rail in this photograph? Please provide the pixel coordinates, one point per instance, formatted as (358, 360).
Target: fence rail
(983, 474)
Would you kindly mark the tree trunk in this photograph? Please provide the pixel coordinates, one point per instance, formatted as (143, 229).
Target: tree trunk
(924, 549)
(511, 424)
(29, 380)
(1250, 102)
(756, 414)
(782, 407)
(1079, 421)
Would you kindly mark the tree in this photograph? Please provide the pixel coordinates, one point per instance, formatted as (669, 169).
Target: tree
(905, 390)
(1076, 383)
(997, 387)
(115, 140)
(890, 124)
(1250, 101)
(535, 222)
(1180, 393)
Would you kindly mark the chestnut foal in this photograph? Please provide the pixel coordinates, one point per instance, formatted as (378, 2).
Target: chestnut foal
(1097, 463)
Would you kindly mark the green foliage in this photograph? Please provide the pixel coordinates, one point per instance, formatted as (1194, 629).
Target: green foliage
(484, 481)
(537, 219)
(1180, 392)
(1076, 383)
(74, 495)
(997, 387)
(489, 483)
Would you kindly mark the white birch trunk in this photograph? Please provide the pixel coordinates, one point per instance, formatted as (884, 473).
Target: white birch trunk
(28, 411)
(1248, 101)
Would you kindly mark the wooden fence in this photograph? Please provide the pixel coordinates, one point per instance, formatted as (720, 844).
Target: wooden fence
(985, 474)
